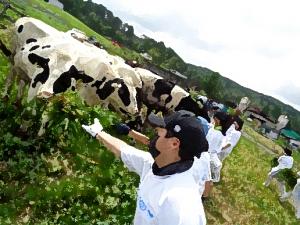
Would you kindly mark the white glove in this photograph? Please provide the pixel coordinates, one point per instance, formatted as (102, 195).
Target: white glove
(93, 129)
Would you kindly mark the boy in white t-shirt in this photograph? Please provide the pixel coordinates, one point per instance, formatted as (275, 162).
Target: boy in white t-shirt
(284, 162)
(215, 135)
(170, 173)
(233, 135)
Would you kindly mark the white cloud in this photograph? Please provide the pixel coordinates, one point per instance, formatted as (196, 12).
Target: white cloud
(255, 43)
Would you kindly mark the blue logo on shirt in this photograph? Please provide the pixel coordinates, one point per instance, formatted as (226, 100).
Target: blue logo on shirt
(150, 214)
(143, 207)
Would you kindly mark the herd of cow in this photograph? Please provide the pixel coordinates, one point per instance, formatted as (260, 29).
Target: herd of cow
(54, 62)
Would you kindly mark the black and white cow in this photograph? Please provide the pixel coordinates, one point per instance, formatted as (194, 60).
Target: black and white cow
(55, 62)
(159, 94)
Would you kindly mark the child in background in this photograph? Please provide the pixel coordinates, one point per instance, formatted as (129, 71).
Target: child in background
(233, 135)
(284, 162)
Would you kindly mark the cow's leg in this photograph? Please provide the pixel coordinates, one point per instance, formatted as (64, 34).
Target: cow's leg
(20, 93)
(8, 84)
(5, 50)
(22, 77)
(44, 123)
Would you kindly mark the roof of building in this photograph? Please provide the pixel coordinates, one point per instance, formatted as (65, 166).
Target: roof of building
(261, 117)
(175, 72)
(290, 134)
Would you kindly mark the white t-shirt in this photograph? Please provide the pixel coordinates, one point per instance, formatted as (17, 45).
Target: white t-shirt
(284, 162)
(201, 170)
(215, 140)
(232, 137)
(232, 127)
(165, 200)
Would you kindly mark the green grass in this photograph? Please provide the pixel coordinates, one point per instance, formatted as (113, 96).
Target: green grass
(264, 141)
(63, 21)
(240, 198)
(64, 176)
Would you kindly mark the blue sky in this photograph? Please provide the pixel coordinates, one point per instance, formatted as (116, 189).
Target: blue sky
(255, 43)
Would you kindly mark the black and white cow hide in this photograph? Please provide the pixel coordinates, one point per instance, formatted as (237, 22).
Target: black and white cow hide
(159, 94)
(56, 62)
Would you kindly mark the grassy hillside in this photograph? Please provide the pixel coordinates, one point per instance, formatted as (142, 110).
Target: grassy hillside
(66, 177)
(240, 198)
(64, 21)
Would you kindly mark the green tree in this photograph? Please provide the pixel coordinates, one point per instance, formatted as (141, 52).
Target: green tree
(276, 111)
(266, 109)
(213, 86)
(174, 63)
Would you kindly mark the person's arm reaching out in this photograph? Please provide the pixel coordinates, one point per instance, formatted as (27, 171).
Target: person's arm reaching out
(134, 159)
(111, 143)
(139, 137)
(124, 129)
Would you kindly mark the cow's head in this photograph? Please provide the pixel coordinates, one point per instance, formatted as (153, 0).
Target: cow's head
(189, 104)
(28, 30)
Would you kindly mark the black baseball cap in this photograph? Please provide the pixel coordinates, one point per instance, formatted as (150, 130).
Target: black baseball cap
(186, 127)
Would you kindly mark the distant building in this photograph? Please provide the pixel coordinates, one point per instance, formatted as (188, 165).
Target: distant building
(176, 73)
(256, 114)
(292, 136)
(282, 122)
(244, 103)
(56, 3)
(171, 75)
(146, 56)
(272, 134)
(295, 144)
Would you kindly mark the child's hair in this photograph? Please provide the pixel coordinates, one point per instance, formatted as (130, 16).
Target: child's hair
(225, 121)
(287, 151)
(239, 121)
